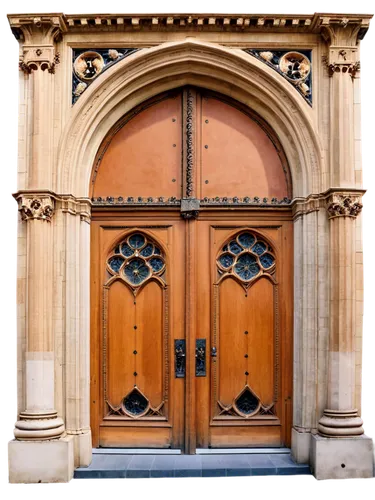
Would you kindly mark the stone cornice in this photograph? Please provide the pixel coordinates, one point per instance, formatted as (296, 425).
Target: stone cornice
(337, 201)
(314, 23)
(41, 204)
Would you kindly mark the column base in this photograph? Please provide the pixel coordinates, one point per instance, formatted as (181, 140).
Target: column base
(41, 461)
(301, 442)
(39, 425)
(341, 458)
(340, 423)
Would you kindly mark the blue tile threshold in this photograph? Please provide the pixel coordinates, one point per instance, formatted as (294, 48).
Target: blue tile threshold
(112, 465)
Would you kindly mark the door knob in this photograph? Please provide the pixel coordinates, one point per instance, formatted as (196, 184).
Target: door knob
(213, 352)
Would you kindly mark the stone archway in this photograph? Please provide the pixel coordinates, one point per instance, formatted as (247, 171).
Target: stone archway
(151, 71)
(54, 200)
(232, 73)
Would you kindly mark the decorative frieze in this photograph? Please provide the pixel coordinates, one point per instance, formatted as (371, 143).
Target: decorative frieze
(136, 201)
(88, 64)
(294, 66)
(245, 201)
(343, 205)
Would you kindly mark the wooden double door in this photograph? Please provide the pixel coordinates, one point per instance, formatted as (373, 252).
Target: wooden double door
(191, 308)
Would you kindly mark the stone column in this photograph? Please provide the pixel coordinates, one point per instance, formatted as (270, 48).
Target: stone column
(341, 418)
(39, 419)
(340, 449)
(41, 451)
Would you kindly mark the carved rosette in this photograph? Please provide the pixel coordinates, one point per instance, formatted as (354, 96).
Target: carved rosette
(39, 207)
(343, 205)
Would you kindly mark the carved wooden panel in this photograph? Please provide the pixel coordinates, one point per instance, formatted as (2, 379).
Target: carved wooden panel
(132, 358)
(135, 330)
(245, 328)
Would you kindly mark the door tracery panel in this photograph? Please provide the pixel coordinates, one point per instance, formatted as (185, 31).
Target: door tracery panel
(245, 333)
(136, 284)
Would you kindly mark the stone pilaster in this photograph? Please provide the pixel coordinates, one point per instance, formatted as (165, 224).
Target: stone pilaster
(76, 217)
(310, 320)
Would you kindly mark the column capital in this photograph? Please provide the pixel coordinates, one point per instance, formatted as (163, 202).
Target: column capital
(37, 35)
(43, 204)
(339, 202)
(34, 206)
(342, 36)
(343, 31)
(343, 205)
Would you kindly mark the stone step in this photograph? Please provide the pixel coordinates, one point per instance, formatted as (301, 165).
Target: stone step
(156, 465)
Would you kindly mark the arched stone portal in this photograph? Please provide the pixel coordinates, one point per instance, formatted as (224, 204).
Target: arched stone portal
(56, 210)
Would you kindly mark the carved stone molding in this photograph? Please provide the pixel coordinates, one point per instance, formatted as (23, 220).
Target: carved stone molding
(37, 206)
(304, 206)
(42, 205)
(342, 66)
(284, 23)
(189, 144)
(343, 205)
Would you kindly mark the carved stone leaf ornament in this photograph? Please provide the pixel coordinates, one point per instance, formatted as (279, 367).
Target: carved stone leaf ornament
(36, 208)
(339, 205)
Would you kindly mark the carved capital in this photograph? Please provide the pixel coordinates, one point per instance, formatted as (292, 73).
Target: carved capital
(42, 205)
(36, 207)
(35, 58)
(38, 35)
(343, 205)
(342, 61)
(343, 31)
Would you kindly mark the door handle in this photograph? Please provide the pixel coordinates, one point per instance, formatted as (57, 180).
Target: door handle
(200, 357)
(180, 358)
(213, 352)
